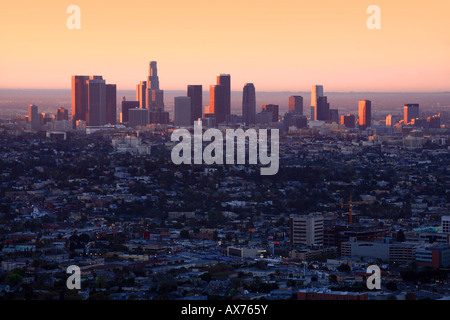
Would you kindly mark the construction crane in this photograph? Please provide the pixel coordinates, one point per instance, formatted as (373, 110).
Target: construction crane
(351, 204)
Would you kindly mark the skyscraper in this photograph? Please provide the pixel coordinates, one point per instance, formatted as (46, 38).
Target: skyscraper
(141, 94)
(410, 111)
(89, 100)
(249, 104)
(33, 117)
(296, 104)
(217, 102)
(153, 80)
(322, 109)
(79, 98)
(138, 117)
(96, 101)
(126, 106)
(151, 97)
(316, 92)
(334, 115)
(224, 80)
(273, 109)
(182, 111)
(195, 92)
(365, 113)
(62, 114)
(111, 104)
(348, 120)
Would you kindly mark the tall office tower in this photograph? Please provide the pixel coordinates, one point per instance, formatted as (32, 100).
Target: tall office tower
(389, 120)
(445, 223)
(217, 102)
(365, 113)
(316, 92)
(195, 92)
(89, 99)
(141, 94)
(126, 106)
(96, 101)
(138, 117)
(249, 104)
(33, 117)
(79, 98)
(334, 115)
(159, 117)
(153, 80)
(273, 109)
(155, 99)
(322, 109)
(348, 120)
(62, 114)
(182, 112)
(296, 104)
(111, 104)
(306, 230)
(410, 111)
(224, 80)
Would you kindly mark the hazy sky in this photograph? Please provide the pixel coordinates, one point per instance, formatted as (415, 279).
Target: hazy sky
(277, 45)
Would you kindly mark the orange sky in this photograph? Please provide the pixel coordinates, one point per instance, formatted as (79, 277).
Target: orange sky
(278, 45)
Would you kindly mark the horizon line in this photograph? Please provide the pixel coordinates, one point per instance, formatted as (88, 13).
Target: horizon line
(266, 91)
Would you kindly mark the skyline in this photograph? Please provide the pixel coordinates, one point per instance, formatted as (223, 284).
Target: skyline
(306, 43)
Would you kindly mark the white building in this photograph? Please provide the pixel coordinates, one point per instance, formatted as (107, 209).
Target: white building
(445, 221)
(306, 230)
(130, 144)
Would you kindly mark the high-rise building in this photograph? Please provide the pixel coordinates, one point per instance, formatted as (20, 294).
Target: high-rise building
(294, 119)
(316, 92)
(153, 80)
(126, 106)
(224, 80)
(445, 221)
(249, 104)
(141, 94)
(79, 98)
(296, 104)
(434, 122)
(89, 100)
(365, 113)
(348, 120)
(62, 114)
(217, 102)
(96, 101)
(111, 104)
(392, 120)
(334, 115)
(306, 230)
(322, 109)
(410, 111)
(33, 117)
(138, 117)
(195, 92)
(182, 111)
(151, 97)
(273, 109)
(220, 98)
